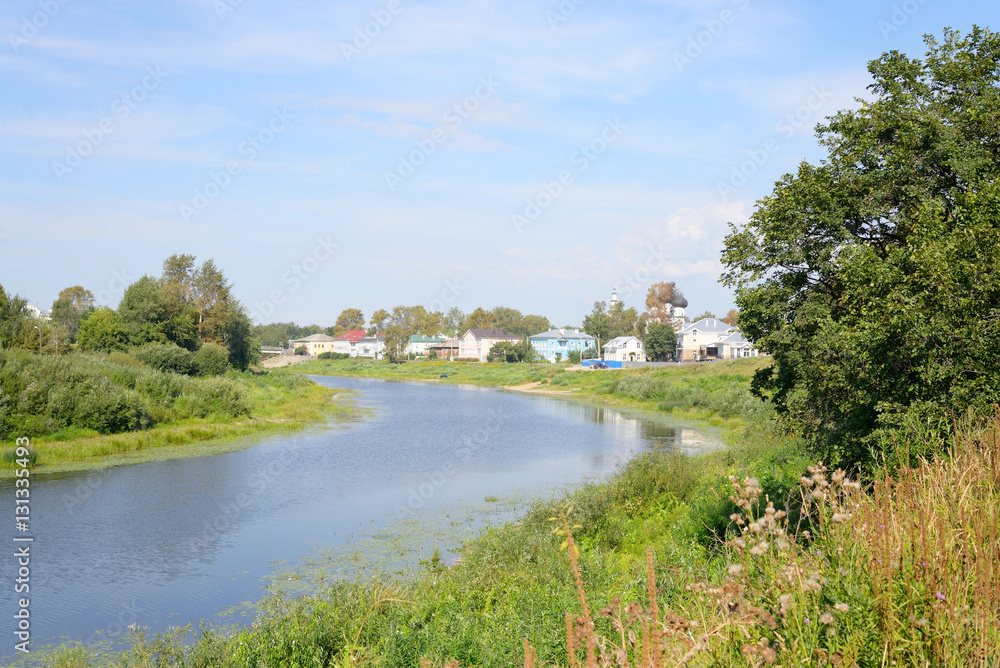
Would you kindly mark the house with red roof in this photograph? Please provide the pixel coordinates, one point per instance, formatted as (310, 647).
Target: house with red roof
(348, 343)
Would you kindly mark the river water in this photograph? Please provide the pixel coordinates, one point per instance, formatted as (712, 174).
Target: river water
(169, 543)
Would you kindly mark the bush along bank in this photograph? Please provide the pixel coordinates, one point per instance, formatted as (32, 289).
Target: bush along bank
(85, 410)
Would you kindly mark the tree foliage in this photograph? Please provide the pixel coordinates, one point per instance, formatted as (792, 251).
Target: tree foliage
(70, 307)
(15, 325)
(660, 342)
(103, 331)
(873, 279)
(349, 320)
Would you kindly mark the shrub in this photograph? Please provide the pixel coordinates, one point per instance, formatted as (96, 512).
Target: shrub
(212, 360)
(168, 357)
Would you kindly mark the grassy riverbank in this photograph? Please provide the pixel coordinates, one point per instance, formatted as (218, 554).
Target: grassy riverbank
(717, 393)
(96, 411)
(738, 557)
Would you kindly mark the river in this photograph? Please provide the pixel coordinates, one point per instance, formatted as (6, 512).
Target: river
(169, 543)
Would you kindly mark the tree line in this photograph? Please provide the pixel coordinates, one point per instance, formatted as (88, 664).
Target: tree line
(189, 306)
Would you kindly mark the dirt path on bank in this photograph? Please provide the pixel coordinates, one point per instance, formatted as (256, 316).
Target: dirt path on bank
(532, 388)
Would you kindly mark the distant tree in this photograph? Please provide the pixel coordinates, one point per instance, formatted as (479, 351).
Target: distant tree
(70, 308)
(378, 321)
(732, 318)
(143, 311)
(504, 351)
(350, 319)
(480, 319)
(623, 321)
(661, 341)
(661, 300)
(15, 327)
(210, 295)
(243, 346)
(454, 320)
(508, 319)
(598, 324)
(534, 324)
(706, 314)
(102, 330)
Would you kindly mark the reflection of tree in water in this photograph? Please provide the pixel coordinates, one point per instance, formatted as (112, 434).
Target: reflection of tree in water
(656, 432)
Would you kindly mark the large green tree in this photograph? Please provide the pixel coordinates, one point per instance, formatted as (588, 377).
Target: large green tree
(873, 278)
(103, 330)
(350, 319)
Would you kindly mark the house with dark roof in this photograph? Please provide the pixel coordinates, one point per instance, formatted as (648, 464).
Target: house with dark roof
(556, 344)
(476, 343)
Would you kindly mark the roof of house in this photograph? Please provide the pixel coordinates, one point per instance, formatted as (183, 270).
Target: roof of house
(707, 326)
(734, 338)
(314, 338)
(492, 334)
(354, 336)
(564, 334)
(620, 341)
(420, 338)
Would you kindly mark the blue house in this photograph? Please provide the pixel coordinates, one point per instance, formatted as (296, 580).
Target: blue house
(559, 342)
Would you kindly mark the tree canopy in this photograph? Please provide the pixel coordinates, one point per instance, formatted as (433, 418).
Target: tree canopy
(873, 278)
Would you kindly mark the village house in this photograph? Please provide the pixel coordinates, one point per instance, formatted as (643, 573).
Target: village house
(420, 344)
(711, 338)
(446, 350)
(476, 343)
(372, 346)
(624, 349)
(347, 343)
(314, 344)
(556, 344)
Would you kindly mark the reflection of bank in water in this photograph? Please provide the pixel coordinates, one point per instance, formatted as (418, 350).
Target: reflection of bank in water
(659, 430)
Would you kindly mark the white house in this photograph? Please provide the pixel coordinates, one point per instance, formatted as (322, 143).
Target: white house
(347, 343)
(624, 349)
(372, 346)
(420, 344)
(710, 338)
(732, 346)
(476, 343)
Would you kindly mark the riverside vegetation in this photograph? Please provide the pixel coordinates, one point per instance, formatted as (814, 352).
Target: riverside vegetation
(101, 409)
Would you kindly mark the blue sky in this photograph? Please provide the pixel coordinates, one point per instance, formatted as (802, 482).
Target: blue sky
(532, 154)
